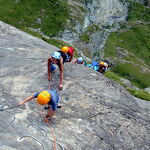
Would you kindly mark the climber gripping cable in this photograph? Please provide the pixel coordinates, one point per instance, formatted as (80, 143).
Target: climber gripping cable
(47, 97)
(58, 58)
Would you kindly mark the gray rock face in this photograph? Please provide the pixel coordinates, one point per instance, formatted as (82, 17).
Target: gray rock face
(103, 13)
(107, 11)
(126, 82)
(96, 113)
(147, 89)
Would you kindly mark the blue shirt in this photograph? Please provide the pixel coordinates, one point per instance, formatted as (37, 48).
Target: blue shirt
(54, 98)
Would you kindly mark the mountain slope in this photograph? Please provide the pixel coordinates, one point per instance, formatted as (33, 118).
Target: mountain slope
(129, 49)
(48, 17)
(96, 113)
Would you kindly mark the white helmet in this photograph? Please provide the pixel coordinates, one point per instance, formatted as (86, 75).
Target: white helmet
(56, 55)
(105, 64)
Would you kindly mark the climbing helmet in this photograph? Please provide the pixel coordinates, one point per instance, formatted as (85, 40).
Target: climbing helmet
(43, 98)
(56, 55)
(80, 60)
(65, 49)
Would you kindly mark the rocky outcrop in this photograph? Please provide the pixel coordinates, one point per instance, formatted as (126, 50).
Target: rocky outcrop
(96, 112)
(105, 14)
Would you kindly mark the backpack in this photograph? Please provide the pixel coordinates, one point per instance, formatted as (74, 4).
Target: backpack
(94, 65)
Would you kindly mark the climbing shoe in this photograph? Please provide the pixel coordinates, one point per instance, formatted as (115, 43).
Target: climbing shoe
(58, 106)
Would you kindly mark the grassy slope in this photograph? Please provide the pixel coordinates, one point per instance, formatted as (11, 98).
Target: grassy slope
(24, 13)
(134, 38)
(54, 16)
(138, 93)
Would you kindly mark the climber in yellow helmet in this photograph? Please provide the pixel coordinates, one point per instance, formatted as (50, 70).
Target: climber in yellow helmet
(47, 97)
(103, 66)
(69, 51)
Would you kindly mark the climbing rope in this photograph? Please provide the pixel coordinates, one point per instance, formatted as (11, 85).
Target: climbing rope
(49, 85)
(48, 124)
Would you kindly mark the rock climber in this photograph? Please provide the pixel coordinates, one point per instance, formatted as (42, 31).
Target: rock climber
(79, 60)
(58, 58)
(69, 51)
(47, 97)
(103, 66)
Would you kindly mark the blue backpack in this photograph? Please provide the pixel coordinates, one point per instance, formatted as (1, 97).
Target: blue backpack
(93, 65)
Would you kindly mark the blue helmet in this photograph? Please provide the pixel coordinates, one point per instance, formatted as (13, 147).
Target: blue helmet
(56, 55)
(80, 60)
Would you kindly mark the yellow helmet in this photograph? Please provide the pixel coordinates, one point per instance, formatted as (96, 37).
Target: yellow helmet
(101, 63)
(43, 98)
(65, 49)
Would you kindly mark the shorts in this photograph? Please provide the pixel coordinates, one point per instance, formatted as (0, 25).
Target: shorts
(52, 67)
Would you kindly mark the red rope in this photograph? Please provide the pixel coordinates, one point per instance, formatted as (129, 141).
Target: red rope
(51, 129)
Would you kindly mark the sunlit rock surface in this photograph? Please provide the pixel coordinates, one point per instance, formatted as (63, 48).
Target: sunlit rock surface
(96, 114)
